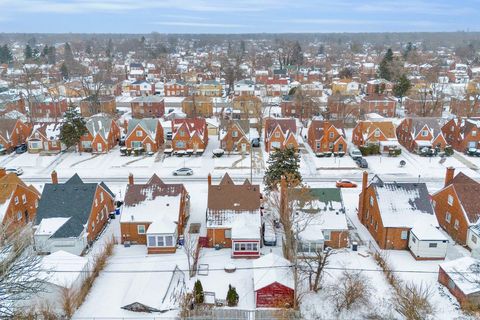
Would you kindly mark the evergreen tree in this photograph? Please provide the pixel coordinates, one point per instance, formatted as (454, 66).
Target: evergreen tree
(232, 296)
(5, 54)
(286, 163)
(408, 49)
(51, 55)
(88, 49)
(68, 53)
(384, 69)
(297, 54)
(198, 294)
(109, 49)
(402, 85)
(389, 55)
(73, 128)
(35, 53)
(44, 52)
(28, 52)
(64, 71)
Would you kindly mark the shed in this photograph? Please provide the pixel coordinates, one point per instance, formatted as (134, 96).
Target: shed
(273, 282)
(427, 242)
(461, 277)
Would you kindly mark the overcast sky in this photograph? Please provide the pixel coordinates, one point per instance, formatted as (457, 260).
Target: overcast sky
(237, 16)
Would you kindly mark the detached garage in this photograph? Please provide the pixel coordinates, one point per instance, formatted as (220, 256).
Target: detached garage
(273, 282)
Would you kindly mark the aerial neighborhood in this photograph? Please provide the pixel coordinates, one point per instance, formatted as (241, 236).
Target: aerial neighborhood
(239, 178)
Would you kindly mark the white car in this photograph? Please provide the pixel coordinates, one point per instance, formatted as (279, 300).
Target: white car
(17, 171)
(355, 154)
(183, 172)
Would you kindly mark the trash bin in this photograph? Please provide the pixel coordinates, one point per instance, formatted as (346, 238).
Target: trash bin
(181, 240)
(354, 246)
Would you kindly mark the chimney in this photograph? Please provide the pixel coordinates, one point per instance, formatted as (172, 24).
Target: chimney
(125, 125)
(54, 177)
(130, 179)
(449, 175)
(362, 196)
(3, 172)
(209, 179)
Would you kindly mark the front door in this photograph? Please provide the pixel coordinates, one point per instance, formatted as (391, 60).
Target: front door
(244, 148)
(45, 145)
(148, 147)
(99, 147)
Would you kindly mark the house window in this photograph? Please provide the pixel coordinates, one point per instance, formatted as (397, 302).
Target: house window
(24, 198)
(450, 200)
(451, 284)
(151, 240)
(424, 133)
(448, 217)
(340, 147)
(136, 144)
(141, 229)
(16, 200)
(96, 202)
(331, 135)
(277, 134)
(93, 225)
(86, 144)
(371, 201)
(376, 225)
(377, 133)
(180, 144)
(404, 235)
(432, 245)
(327, 234)
(434, 203)
(181, 133)
(168, 241)
(235, 134)
(474, 238)
(318, 144)
(456, 224)
(474, 133)
(101, 196)
(139, 133)
(414, 240)
(19, 215)
(366, 214)
(228, 234)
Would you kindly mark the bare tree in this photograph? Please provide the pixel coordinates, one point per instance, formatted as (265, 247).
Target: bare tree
(352, 289)
(20, 277)
(413, 301)
(313, 266)
(190, 247)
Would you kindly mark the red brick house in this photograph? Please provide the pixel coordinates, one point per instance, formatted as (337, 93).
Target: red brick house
(382, 133)
(103, 134)
(461, 107)
(292, 107)
(48, 109)
(45, 138)
(457, 208)
(13, 133)
(421, 106)
(379, 86)
(144, 133)
(418, 133)
(102, 104)
(189, 134)
(325, 136)
(148, 107)
(273, 280)
(233, 217)
(378, 103)
(399, 216)
(461, 278)
(234, 136)
(343, 107)
(154, 214)
(462, 134)
(280, 133)
(18, 202)
(176, 89)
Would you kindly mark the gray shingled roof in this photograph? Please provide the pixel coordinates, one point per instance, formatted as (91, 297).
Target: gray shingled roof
(149, 125)
(99, 124)
(73, 199)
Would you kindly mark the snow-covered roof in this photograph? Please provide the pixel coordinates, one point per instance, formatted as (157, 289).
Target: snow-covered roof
(62, 268)
(272, 268)
(49, 226)
(465, 273)
(428, 232)
(246, 226)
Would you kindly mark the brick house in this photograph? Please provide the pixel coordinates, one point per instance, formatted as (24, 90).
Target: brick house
(13, 133)
(399, 216)
(460, 276)
(103, 134)
(233, 217)
(189, 134)
(144, 133)
(418, 133)
(343, 107)
(246, 106)
(462, 134)
(154, 214)
(45, 138)
(102, 104)
(379, 86)
(12, 103)
(457, 208)
(198, 106)
(292, 107)
(176, 89)
(48, 109)
(18, 202)
(461, 107)
(280, 133)
(382, 133)
(326, 136)
(234, 136)
(378, 103)
(148, 107)
(71, 215)
(423, 106)
(209, 88)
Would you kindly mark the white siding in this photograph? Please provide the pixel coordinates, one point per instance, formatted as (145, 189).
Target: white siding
(44, 244)
(471, 244)
(422, 249)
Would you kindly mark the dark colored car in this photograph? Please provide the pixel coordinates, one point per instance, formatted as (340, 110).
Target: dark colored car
(362, 163)
(22, 148)
(256, 143)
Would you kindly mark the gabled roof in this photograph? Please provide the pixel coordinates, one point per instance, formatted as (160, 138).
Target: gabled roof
(467, 191)
(287, 125)
(99, 124)
(149, 125)
(193, 126)
(73, 199)
(272, 268)
(386, 127)
(6, 127)
(319, 127)
(155, 187)
(49, 131)
(8, 184)
(228, 196)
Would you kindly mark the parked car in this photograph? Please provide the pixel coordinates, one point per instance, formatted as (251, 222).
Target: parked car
(362, 163)
(269, 236)
(345, 184)
(355, 153)
(256, 143)
(17, 171)
(183, 172)
(169, 135)
(22, 148)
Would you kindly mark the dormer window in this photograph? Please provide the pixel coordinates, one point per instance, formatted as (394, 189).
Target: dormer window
(139, 133)
(424, 133)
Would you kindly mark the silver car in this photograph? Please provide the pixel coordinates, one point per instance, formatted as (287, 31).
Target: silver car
(17, 171)
(183, 172)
